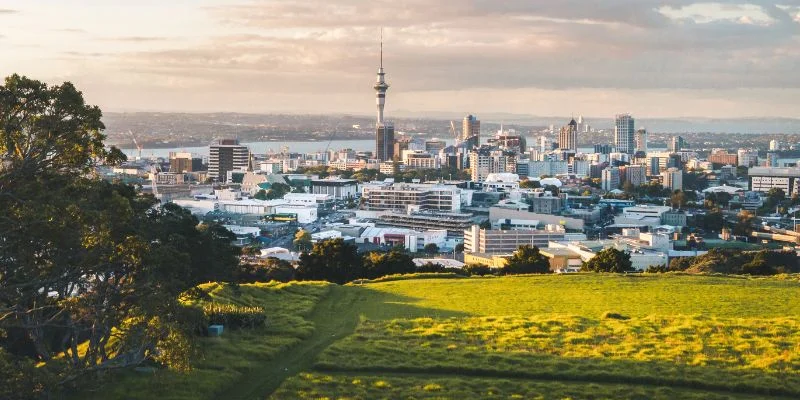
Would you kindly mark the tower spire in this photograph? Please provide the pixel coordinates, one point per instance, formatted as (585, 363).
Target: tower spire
(381, 47)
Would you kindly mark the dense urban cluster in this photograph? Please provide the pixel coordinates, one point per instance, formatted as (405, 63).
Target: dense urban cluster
(478, 198)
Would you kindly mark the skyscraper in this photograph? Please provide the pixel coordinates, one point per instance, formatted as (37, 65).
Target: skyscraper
(471, 128)
(227, 155)
(384, 131)
(624, 134)
(676, 144)
(641, 140)
(568, 137)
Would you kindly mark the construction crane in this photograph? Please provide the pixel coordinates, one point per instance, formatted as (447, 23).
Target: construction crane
(135, 143)
(453, 131)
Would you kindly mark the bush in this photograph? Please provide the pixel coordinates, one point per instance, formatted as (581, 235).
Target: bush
(233, 316)
(478, 269)
(613, 315)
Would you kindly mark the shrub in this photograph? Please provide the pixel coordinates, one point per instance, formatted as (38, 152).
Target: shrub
(613, 315)
(478, 269)
(233, 316)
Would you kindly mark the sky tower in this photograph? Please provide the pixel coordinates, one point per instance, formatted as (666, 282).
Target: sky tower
(384, 131)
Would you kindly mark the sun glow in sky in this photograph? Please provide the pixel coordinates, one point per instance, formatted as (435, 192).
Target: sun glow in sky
(540, 57)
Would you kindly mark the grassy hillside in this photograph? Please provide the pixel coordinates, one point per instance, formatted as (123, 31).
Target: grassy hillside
(591, 295)
(235, 355)
(579, 336)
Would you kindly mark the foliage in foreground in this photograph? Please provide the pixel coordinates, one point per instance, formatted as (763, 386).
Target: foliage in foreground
(90, 271)
(224, 360)
(749, 356)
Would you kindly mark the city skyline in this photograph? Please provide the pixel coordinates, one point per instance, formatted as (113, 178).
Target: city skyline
(653, 59)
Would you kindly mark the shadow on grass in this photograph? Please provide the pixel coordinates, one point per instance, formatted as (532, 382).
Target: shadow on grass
(379, 305)
(416, 361)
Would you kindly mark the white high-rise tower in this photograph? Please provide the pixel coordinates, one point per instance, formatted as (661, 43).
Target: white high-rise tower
(384, 132)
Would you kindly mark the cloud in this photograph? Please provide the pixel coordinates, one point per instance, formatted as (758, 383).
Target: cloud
(136, 39)
(304, 48)
(308, 45)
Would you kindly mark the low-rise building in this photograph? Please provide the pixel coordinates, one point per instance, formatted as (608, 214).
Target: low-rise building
(490, 260)
(340, 189)
(453, 223)
(403, 196)
(477, 240)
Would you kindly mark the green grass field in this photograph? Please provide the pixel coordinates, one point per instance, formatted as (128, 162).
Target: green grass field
(552, 337)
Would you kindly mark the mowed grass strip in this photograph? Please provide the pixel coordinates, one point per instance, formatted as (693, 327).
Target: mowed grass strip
(591, 295)
(326, 386)
(747, 355)
(223, 360)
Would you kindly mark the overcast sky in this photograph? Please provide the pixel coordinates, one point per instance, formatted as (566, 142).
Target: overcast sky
(541, 57)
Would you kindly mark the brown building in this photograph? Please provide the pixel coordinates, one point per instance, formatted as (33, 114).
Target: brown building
(723, 157)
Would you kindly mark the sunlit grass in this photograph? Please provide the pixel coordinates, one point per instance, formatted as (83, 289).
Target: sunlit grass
(342, 386)
(593, 294)
(761, 356)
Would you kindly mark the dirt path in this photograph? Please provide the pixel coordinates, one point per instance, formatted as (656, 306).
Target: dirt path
(335, 317)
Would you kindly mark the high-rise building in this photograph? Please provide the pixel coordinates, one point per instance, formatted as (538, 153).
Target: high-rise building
(225, 156)
(603, 148)
(640, 140)
(774, 145)
(672, 179)
(485, 161)
(635, 174)
(624, 134)
(184, 162)
(471, 128)
(384, 131)
(721, 156)
(568, 137)
(434, 146)
(610, 179)
(747, 158)
(676, 144)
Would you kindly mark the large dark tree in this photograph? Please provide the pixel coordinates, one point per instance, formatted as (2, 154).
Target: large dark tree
(82, 260)
(527, 260)
(609, 260)
(331, 260)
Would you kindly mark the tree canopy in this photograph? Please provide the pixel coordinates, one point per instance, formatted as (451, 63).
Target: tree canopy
(527, 260)
(83, 260)
(609, 260)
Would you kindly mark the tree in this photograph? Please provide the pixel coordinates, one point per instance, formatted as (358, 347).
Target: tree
(486, 224)
(302, 240)
(431, 248)
(678, 199)
(261, 195)
(714, 220)
(744, 224)
(609, 260)
(628, 187)
(331, 260)
(459, 248)
(278, 190)
(395, 261)
(83, 260)
(529, 184)
(527, 260)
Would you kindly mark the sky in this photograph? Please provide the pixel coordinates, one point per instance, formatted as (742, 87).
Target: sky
(656, 59)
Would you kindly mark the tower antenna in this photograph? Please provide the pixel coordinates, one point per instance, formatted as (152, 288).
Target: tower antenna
(381, 47)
